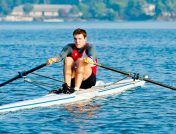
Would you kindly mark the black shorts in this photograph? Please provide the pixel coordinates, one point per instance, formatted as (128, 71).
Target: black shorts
(88, 83)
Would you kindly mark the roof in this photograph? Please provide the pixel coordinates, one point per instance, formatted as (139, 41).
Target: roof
(44, 8)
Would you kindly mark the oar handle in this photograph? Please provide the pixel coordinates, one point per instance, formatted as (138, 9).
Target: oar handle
(131, 75)
(105, 67)
(24, 73)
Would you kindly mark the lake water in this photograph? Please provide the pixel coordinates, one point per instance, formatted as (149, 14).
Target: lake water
(147, 48)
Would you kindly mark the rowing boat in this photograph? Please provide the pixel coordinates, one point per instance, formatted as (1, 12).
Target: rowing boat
(100, 89)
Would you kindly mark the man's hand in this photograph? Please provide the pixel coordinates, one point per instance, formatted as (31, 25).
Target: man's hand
(88, 60)
(52, 60)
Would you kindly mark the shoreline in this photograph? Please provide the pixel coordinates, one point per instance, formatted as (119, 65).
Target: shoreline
(90, 25)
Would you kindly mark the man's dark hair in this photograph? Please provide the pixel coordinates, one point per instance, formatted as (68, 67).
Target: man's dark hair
(80, 31)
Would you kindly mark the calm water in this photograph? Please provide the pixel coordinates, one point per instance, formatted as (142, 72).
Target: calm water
(145, 48)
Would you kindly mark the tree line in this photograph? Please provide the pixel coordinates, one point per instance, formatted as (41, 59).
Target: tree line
(103, 9)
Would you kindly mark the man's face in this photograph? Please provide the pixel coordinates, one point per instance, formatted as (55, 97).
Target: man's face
(79, 40)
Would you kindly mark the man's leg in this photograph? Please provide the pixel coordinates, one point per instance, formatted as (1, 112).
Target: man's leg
(68, 70)
(68, 74)
(83, 71)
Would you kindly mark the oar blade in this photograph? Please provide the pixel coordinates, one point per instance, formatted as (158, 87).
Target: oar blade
(21, 74)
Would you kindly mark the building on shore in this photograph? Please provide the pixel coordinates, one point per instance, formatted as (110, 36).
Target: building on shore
(149, 9)
(38, 12)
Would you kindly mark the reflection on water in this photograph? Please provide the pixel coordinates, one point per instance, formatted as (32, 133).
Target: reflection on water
(85, 109)
(82, 113)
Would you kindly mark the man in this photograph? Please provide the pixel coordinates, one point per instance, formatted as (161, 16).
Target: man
(77, 73)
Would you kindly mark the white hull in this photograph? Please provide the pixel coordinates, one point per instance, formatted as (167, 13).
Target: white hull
(58, 99)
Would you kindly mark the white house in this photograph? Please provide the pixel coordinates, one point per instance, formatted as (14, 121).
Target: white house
(17, 18)
(149, 9)
(38, 11)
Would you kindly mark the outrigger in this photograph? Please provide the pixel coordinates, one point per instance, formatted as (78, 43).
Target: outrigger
(100, 89)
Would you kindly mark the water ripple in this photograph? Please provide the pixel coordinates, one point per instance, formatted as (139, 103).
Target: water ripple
(150, 109)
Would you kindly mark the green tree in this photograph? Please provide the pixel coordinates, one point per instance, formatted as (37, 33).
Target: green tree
(95, 9)
(118, 6)
(84, 8)
(134, 11)
(160, 7)
(5, 7)
(172, 7)
(112, 15)
(98, 10)
(27, 8)
(74, 10)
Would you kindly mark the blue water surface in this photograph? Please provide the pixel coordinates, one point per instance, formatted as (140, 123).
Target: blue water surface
(147, 48)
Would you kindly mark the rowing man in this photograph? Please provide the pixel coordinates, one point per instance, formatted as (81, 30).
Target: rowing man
(77, 73)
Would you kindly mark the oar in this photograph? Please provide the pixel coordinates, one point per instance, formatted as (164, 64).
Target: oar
(133, 75)
(21, 74)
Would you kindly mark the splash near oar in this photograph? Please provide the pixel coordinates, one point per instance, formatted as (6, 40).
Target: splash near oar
(133, 75)
(24, 73)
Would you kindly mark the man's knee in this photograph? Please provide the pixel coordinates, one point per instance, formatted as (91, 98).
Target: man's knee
(80, 62)
(68, 61)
